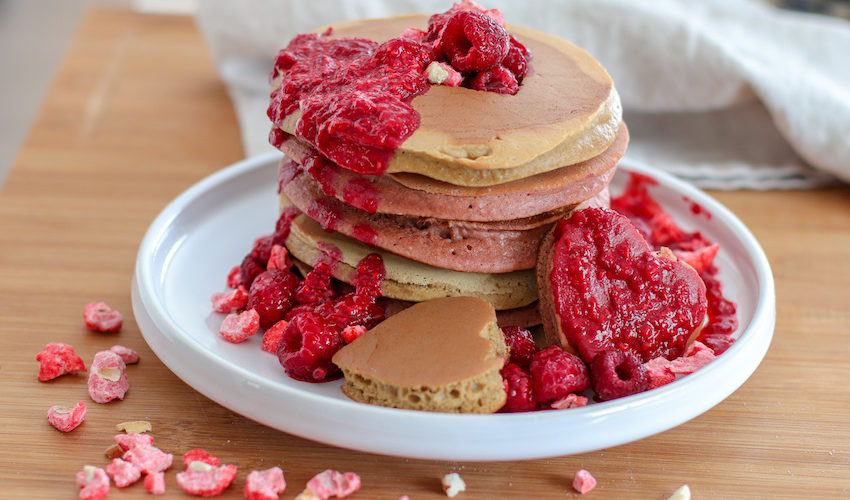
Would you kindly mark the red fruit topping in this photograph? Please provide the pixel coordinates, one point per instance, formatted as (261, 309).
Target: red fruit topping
(583, 482)
(517, 60)
(697, 356)
(123, 473)
(202, 480)
(498, 80)
(273, 335)
(199, 455)
(279, 258)
(272, 294)
(148, 459)
(365, 233)
(227, 302)
(369, 276)
(93, 483)
(360, 192)
(331, 483)
(249, 270)
(354, 309)
(556, 373)
(316, 286)
(658, 370)
(155, 483)
(102, 318)
(67, 419)
(264, 485)
(308, 344)
(130, 441)
(107, 380)
(473, 41)
(128, 355)
(722, 317)
(284, 224)
(234, 277)
(610, 290)
(58, 359)
(262, 249)
(237, 327)
(322, 171)
(351, 332)
(519, 388)
(569, 401)
(521, 345)
(616, 374)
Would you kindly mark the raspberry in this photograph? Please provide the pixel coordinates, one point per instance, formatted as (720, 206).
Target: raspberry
(519, 387)
(93, 483)
(307, 346)
(102, 318)
(521, 345)
(128, 355)
(237, 327)
(354, 309)
(130, 441)
(155, 483)
(351, 332)
(58, 359)
(249, 270)
(583, 481)
(499, 80)
(517, 59)
(316, 286)
(556, 373)
(264, 485)
(272, 294)
(107, 380)
(234, 277)
(571, 400)
(331, 483)
(279, 258)
(205, 480)
(199, 455)
(369, 276)
(616, 374)
(123, 473)
(658, 371)
(262, 249)
(148, 459)
(473, 41)
(66, 419)
(228, 302)
(272, 337)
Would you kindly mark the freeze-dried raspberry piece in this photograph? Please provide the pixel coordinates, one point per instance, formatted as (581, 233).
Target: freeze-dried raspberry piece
(519, 388)
(249, 270)
(307, 346)
(149, 459)
(272, 294)
(130, 441)
(102, 318)
(569, 401)
(279, 258)
(234, 277)
(199, 455)
(583, 481)
(204, 480)
(107, 380)
(556, 373)
(498, 79)
(228, 302)
(331, 483)
(128, 355)
(616, 374)
(520, 344)
(272, 337)
(93, 483)
(351, 332)
(472, 41)
(123, 473)
(453, 484)
(658, 370)
(316, 286)
(58, 359)
(697, 356)
(237, 327)
(264, 485)
(155, 483)
(66, 419)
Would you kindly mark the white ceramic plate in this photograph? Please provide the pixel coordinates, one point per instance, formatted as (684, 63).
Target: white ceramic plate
(194, 242)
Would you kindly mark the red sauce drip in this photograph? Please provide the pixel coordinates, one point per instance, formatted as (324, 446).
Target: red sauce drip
(361, 193)
(330, 251)
(722, 317)
(323, 212)
(323, 171)
(697, 209)
(286, 172)
(365, 233)
(370, 275)
(284, 224)
(276, 137)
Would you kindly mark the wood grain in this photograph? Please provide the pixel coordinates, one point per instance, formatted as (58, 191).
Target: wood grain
(137, 114)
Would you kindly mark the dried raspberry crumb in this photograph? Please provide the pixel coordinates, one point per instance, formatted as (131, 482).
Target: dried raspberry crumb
(521, 345)
(148, 459)
(272, 337)
(569, 401)
(123, 473)
(205, 480)
(107, 380)
(279, 258)
(67, 419)
(696, 356)
(128, 355)
(130, 441)
(58, 359)
(199, 455)
(616, 374)
(93, 483)
(228, 302)
(102, 318)
(155, 483)
(453, 484)
(351, 332)
(272, 294)
(237, 327)
(556, 373)
(331, 483)
(519, 388)
(264, 485)
(234, 277)
(583, 481)
(658, 370)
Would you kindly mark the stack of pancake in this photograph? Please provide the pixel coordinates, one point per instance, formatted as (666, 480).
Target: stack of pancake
(468, 197)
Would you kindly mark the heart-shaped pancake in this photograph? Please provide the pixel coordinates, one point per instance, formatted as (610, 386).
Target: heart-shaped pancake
(603, 287)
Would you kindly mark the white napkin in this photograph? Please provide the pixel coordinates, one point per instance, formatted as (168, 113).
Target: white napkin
(727, 94)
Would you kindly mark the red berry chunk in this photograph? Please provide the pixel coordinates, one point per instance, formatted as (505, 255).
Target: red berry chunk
(521, 345)
(370, 274)
(262, 249)
(279, 258)
(569, 401)
(123, 473)
(227, 302)
(272, 337)
(148, 459)
(272, 294)
(658, 371)
(93, 483)
(107, 380)
(308, 344)
(557, 373)
(102, 318)
(517, 59)
(249, 270)
(155, 483)
(616, 374)
(58, 359)
(234, 277)
(351, 332)
(264, 485)
(498, 80)
(237, 327)
(199, 455)
(67, 419)
(520, 390)
(583, 482)
(697, 356)
(128, 355)
(130, 441)
(206, 480)
(316, 286)
(473, 41)
(331, 483)
(284, 224)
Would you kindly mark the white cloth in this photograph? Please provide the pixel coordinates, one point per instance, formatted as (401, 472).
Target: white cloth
(727, 94)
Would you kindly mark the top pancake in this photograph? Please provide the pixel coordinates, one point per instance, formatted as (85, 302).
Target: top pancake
(565, 112)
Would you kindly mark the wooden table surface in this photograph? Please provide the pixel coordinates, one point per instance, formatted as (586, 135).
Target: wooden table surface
(137, 114)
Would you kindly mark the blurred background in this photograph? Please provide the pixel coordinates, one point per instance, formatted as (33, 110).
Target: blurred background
(34, 35)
